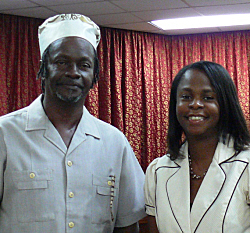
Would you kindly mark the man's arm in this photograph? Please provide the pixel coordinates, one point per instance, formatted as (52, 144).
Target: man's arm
(129, 229)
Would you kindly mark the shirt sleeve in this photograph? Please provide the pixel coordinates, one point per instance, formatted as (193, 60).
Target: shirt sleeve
(149, 188)
(131, 205)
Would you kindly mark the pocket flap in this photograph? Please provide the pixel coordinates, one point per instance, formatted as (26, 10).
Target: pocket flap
(33, 185)
(40, 175)
(103, 181)
(100, 180)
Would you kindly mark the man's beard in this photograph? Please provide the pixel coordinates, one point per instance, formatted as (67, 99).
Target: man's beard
(69, 98)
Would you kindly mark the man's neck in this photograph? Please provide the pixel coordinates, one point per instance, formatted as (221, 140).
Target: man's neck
(64, 116)
(60, 111)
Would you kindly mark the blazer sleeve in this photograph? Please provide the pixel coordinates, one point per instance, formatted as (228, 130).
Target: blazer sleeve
(150, 187)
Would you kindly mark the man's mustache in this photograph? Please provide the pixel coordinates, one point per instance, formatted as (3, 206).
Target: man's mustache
(69, 82)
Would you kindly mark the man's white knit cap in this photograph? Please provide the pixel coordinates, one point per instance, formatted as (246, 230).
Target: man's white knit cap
(65, 25)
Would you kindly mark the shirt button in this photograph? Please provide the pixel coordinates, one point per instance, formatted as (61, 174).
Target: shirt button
(71, 194)
(71, 224)
(69, 163)
(32, 175)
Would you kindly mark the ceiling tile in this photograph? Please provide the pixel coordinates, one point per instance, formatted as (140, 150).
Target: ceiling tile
(15, 4)
(214, 2)
(62, 2)
(129, 14)
(35, 12)
(93, 8)
(166, 14)
(219, 10)
(144, 5)
(114, 19)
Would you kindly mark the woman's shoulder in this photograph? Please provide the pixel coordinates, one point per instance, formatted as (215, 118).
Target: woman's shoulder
(160, 162)
(244, 155)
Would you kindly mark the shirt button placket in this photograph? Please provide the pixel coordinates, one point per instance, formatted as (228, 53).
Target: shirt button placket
(71, 224)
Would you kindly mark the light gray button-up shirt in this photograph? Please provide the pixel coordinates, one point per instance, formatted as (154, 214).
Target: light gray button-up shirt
(92, 186)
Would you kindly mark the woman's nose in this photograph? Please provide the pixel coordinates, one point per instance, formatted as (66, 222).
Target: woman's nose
(196, 103)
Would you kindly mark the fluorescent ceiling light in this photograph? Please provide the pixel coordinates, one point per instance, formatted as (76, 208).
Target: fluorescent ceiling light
(203, 21)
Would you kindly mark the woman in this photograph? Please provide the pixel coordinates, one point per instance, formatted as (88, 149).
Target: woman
(202, 184)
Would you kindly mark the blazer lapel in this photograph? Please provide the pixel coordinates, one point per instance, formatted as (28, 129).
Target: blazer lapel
(207, 194)
(178, 193)
(211, 185)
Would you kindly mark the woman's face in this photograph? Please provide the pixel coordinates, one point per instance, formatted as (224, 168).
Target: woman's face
(197, 107)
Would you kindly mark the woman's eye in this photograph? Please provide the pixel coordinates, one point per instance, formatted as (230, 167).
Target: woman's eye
(185, 97)
(208, 98)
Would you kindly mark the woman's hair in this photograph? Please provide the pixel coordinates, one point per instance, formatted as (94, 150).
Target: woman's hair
(43, 71)
(231, 120)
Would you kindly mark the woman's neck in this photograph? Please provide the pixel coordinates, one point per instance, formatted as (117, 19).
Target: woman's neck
(202, 149)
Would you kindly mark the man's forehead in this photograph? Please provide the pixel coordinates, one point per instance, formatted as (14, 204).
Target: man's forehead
(71, 46)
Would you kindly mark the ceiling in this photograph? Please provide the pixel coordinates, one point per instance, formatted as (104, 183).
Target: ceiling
(131, 14)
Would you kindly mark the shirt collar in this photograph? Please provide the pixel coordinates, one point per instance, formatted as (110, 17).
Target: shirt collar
(37, 119)
(88, 123)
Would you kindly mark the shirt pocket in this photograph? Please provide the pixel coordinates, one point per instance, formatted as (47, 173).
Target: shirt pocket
(35, 198)
(103, 195)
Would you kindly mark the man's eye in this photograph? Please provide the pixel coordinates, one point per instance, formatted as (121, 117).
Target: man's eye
(85, 65)
(60, 62)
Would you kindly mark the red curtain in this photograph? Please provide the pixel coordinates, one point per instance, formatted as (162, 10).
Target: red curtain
(19, 62)
(133, 90)
(136, 71)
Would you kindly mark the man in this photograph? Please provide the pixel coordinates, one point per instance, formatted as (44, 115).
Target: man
(61, 169)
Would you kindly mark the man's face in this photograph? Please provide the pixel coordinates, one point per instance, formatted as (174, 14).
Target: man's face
(70, 69)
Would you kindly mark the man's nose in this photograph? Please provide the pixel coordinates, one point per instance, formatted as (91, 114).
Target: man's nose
(73, 70)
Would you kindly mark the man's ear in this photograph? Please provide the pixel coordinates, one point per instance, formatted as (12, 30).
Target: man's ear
(43, 84)
(43, 73)
(39, 72)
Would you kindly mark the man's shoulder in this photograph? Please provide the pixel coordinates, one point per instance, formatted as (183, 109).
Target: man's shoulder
(20, 113)
(103, 125)
(13, 120)
(14, 114)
